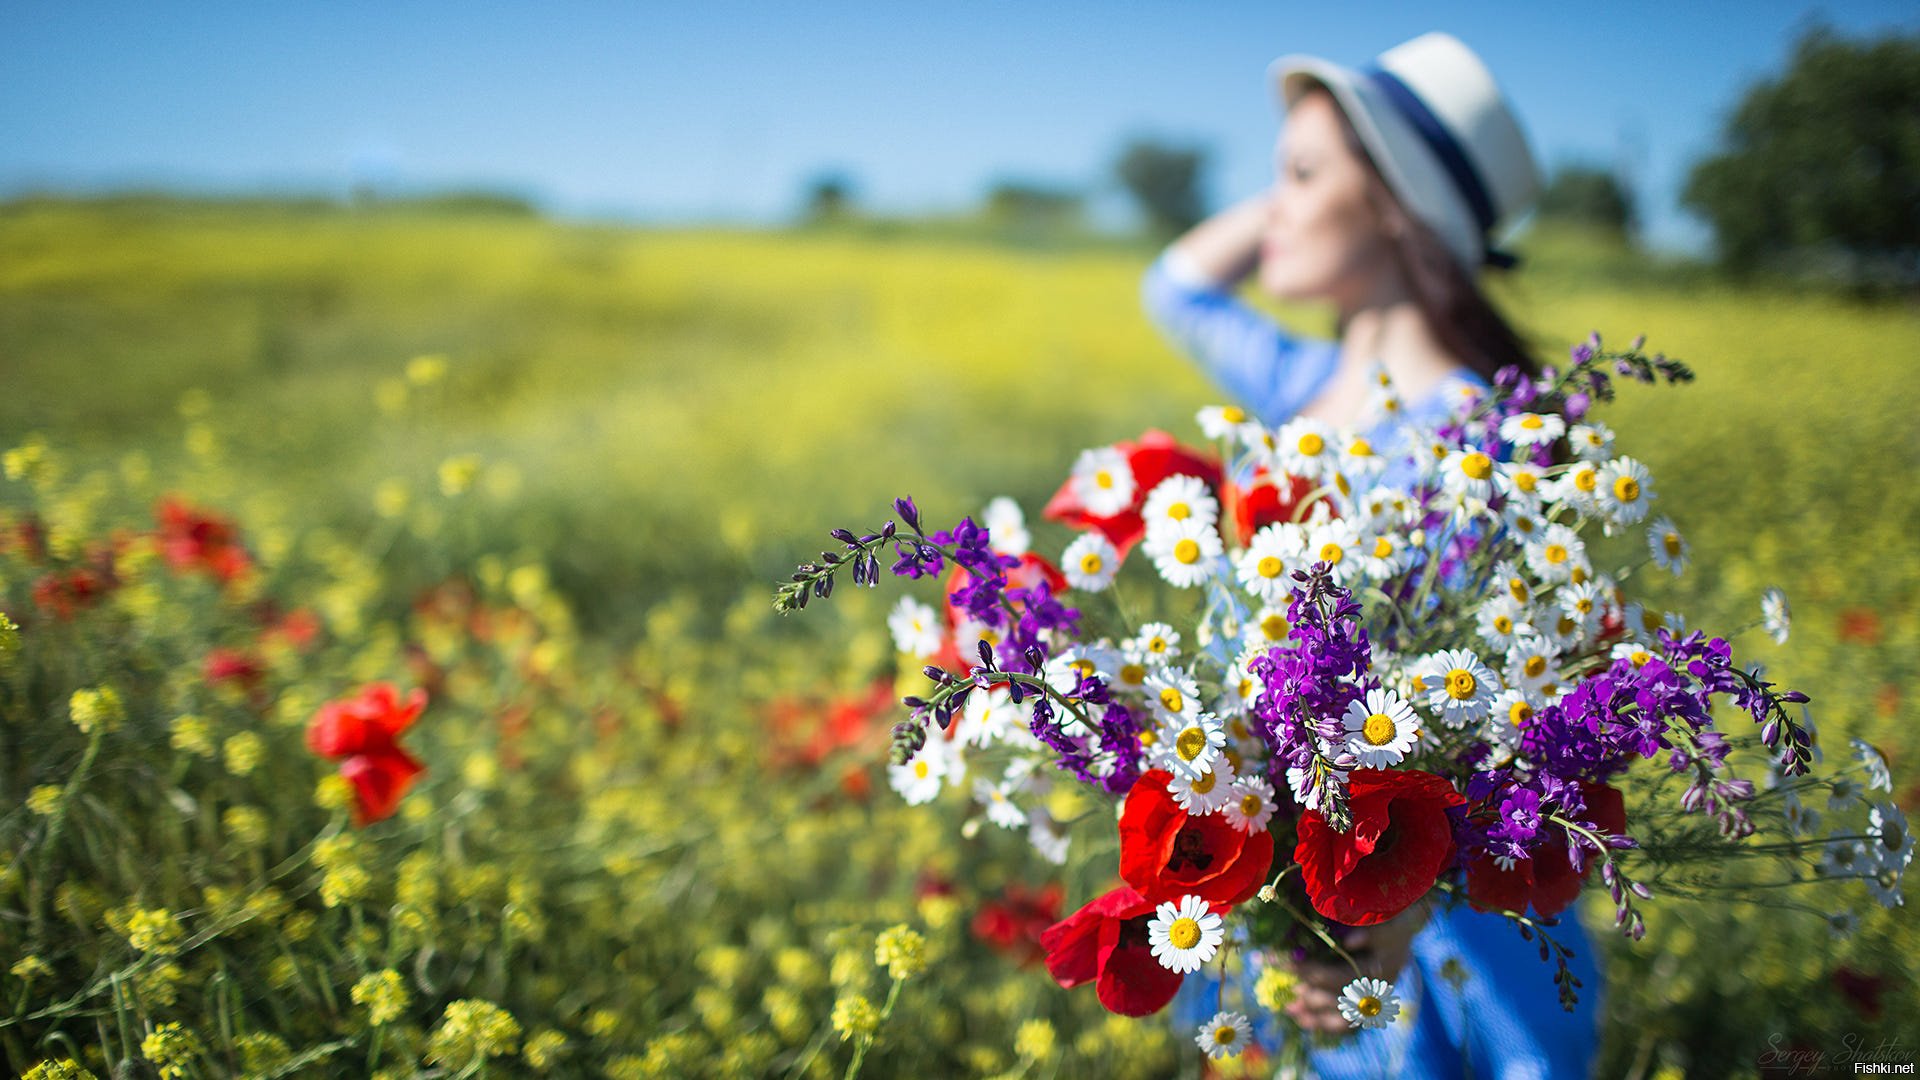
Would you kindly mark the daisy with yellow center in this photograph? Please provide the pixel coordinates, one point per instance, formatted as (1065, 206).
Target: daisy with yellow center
(1103, 481)
(1184, 552)
(1220, 421)
(1501, 619)
(1205, 794)
(1532, 429)
(1383, 556)
(1250, 805)
(1591, 442)
(1336, 543)
(1369, 1003)
(1468, 472)
(1184, 935)
(1556, 553)
(1224, 1036)
(1624, 490)
(1264, 568)
(1180, 498)
(1381, 729)
(1174, 698)
(1532, 663)
(1090, 562)
(1633, 653)
(1669, 548)
(1306, 448)
(919, 780)
(916, 628)
(1459, 687)
(1197, 744)
(1269, 627)
(1157, 642)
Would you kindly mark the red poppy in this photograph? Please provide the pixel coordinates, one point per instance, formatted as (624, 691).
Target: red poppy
(1265, 500)
(362, 731)
(63, 594)
(193, 539)
(233, 666)
(1167, 853)
(1154, 458)
(1860, 626)
(1547, 881)
(1016, 921)
(1105, 942)
(1400, 841)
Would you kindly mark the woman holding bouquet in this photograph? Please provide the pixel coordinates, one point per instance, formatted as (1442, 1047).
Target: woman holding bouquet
(1392, 181)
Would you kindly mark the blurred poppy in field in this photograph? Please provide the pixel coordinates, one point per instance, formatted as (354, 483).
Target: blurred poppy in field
(1154, 458)
(362, 733)
(1400, 841)
(26, 536)
(195, 539)
(806, 732)
(233, 666)
(1861, 990)
(61, 594)
(1860, 626)
(297, 629)
(1015, 922)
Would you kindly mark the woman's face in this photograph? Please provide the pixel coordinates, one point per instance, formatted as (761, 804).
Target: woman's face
(1324, 240)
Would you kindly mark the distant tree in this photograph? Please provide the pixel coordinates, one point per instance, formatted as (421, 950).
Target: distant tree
(1823, 163)
(1030, 206)
(1586, 195)
(828, 197)
(1165, 180)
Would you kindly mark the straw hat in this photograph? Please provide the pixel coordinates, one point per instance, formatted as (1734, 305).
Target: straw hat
(1441, 134)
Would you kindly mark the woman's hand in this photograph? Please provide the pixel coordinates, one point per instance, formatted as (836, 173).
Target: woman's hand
(1225, 247)
(1381, 951)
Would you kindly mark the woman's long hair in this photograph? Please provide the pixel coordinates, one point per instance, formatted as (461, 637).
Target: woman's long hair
(1460, 315)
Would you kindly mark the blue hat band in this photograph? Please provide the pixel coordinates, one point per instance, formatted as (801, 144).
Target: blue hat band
(1446, 149)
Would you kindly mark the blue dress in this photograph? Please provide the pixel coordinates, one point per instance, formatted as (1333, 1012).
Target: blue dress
(1503, 1019)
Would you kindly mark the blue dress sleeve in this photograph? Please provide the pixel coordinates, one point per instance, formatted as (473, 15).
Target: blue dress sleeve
(1267, 370)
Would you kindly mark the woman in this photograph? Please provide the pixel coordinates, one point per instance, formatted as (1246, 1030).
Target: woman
(1391, 182)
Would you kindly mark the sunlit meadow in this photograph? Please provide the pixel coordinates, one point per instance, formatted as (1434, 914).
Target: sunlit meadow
(549, 475)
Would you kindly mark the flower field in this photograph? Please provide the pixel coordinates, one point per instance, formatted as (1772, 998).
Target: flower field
(391, 685)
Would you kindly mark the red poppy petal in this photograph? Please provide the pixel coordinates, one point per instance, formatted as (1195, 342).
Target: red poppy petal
(379, 781)
(1132, 982)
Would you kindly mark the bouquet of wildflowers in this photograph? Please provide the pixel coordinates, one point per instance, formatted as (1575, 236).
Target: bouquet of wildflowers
(1375, 676)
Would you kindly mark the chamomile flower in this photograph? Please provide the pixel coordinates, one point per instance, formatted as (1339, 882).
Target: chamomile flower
(1501, 620)
(990, 716)
(1001, 809)
(1578, 487)
(1633, 652)
(1801, 819)
(1624, 490)
(1523, 519)
(1369, 1003)
(1884, 886)
(1530, 662)
(1180, 498)
(1224, 1036)
(1508, 579)
(1196, 744)
(1511, 711)
(1585, 604)
(1205, 794)
(1184, 935)
(1591, 442)
(1359, 461)
(1103, 481)
(1006, 527)
(1845, 858)
(1468, 472)
(1381, 729)
(1090, 562)
(1184, 552)
(1384, 555)
(1336, 543)
(1874, 762)
(1127, 669)
(916, 628)
(1556, 554)
(1892, 844)
(1047, 839)
(1843, 793)
(1669, 548)
(1268, 627)
(1220, 421)
(1459, 687)
(1532, 429)
(1158, 642)
(1775, 615)
(919, 780)
(1306, 448)
(1383, 508)
(1263, 567)
(1174, 697)
(1251, 805)
(1645, 624)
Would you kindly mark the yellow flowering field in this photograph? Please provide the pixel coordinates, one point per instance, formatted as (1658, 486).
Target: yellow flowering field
(260, 460)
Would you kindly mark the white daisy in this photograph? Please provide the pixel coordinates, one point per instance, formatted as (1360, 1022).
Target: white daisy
(1197, 743)
(1268, 627)
(1521, 480)
(990, 716)
(1532, 429)
(1001, 809)
(1775, 615)
(1224, 1036)
(1468, 472)
(1090, 562)
(1128, 669)
(1381, 729)
(1180, 498)
(1307, 794)
(1360, 462)
(1892, 841)
(1591, 441)
(1305, 448)
(1669, 548)
(1384, 555)
(1530, 662)
(1845, 858)
(1801, 819)
(1555, 555)
(1884, 886)
(1047, 839)
(1220, 421)
(1006, 527)
(1583, 603)
(1625, 490)
(919, 780)
(1336, 543)
(1199, 795)
(1184, 935)
(1874, 762)
(1103, 481)
(1843, 793)
(1263, 567)
(1157, 642)
(1843, 924)
(1507, 578)
(1502, 619)
(1251, 805)
(916, 628)
(1175, 698)
(1383, 508)
(1459, 687)
(1369, 1003)
(1523, 518)
(1578, 487)
(1632, 652)
(1511, 711)
(1184, 552)
(1645, 624)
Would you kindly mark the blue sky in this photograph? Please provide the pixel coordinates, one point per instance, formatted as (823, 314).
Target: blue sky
(714, 110)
